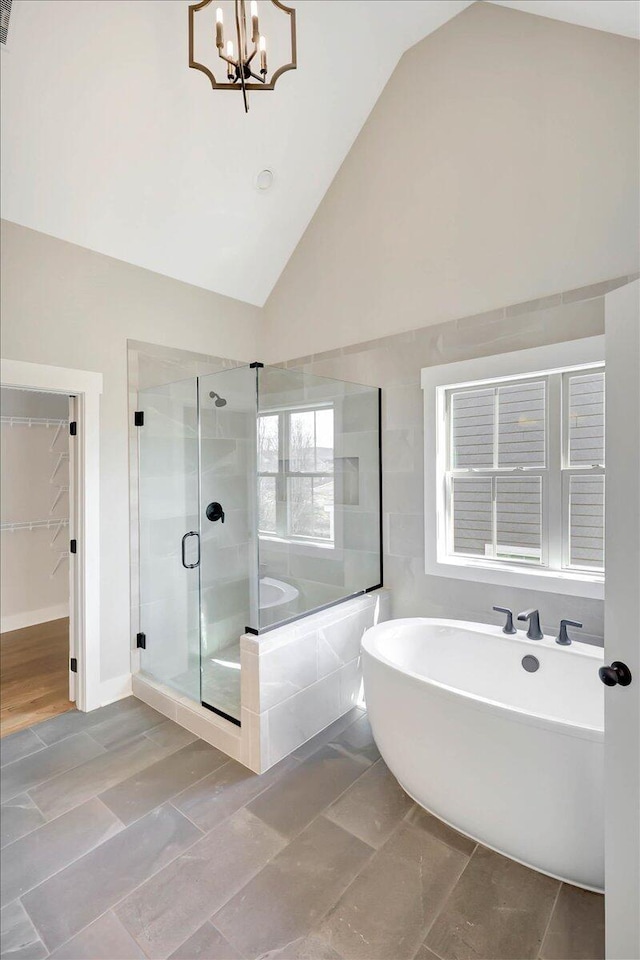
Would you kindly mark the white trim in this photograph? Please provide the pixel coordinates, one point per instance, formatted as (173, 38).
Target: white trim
(16, 621)
(115, 689)
(86, 386)
(504, 366)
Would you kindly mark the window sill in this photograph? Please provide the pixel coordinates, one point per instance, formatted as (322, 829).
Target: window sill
(570, 583)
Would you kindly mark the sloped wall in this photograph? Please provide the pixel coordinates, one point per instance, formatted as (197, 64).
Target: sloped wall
(499, 165)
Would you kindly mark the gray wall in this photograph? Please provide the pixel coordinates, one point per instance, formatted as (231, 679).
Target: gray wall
(499, 164)
(395, 363)
(70, 307)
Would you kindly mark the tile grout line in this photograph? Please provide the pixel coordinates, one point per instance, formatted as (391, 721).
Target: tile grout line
(106, 751)
(550, 917)
(447, 898)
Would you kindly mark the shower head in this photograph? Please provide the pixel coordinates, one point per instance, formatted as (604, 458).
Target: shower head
(220, 401)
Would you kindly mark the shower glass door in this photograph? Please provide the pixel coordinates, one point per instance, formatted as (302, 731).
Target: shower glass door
(228, 569)
(169, 535)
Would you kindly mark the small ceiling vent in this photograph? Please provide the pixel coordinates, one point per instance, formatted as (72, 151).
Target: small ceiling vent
(5, 13)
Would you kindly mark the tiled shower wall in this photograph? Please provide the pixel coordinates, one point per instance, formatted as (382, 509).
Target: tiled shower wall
(394, 363)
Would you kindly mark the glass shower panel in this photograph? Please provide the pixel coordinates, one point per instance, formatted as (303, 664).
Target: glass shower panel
(169, 541)
(318, 492)
(228, 571)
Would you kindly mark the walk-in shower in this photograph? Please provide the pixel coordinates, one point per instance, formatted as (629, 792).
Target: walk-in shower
(259, 502)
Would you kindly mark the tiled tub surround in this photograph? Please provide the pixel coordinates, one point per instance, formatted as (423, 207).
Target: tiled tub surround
(126, 837)
(394, 363)
(295, 681)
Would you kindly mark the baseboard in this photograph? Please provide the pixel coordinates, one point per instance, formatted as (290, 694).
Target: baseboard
(17, 621)
(115, 689)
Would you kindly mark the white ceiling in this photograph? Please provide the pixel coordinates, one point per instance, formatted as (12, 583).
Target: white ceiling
(614, 16)
(111, 142)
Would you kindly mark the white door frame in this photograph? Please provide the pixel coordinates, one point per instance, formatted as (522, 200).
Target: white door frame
(86, 387)
(622, 623)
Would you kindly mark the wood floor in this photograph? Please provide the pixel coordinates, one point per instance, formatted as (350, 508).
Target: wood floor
(34, 675)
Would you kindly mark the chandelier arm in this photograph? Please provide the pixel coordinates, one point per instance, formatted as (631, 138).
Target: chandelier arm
(241, 62)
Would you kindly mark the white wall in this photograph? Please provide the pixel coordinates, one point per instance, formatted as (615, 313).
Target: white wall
(500, 164)
(30, 592)
(71, 307)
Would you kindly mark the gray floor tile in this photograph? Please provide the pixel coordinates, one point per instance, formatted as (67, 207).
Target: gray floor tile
(387, 910)
(19, 745)
(207, 943)
(297, 797)
(170, 734)
(290, 895)
(576, 929)
(18, 937)
(440, 830)
(499, 909)
(305, 948)
(176, 902)
(126, 725)
(372, 807)
(425, 954)
(74, 787)
(104, 939)
(40, 854)
(328, 734)
(67, 902)
(210, 801)
(148, 788)
(75, 721)
(22, 775)
(358, 741)
(18, 817)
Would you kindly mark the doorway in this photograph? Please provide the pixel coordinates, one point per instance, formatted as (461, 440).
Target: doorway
(80, 390)
(36, 496)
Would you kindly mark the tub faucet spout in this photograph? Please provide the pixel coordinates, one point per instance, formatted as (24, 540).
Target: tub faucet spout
(534, 632)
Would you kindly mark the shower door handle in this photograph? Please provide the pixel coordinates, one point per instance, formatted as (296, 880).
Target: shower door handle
(190, 566)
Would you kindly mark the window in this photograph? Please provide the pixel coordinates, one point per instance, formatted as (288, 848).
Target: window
(295, 474)
(508, 476)
(515, 469)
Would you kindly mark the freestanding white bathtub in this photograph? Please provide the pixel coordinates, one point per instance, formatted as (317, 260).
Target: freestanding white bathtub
(513, 759)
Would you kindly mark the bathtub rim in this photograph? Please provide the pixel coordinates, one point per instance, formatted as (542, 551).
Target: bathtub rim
(475, 701)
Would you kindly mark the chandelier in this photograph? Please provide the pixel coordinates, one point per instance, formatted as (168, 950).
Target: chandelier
(241, 45)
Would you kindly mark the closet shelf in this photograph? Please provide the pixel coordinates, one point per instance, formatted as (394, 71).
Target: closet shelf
(33, 524)
(33, 421)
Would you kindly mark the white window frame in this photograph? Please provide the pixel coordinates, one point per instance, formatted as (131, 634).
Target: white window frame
(570, 356)
(283, 474)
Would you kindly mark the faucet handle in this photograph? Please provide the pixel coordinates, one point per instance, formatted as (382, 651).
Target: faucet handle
(508, 627)
(563, 637)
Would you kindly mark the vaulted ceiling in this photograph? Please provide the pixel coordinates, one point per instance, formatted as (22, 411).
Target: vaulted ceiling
(111, 142)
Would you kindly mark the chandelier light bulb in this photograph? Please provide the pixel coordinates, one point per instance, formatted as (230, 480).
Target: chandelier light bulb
(254, 8)
(219, 37)
(219, 15)
(230, 48)
(263, 56)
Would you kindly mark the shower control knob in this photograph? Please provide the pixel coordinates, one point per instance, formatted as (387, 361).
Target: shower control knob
(215, 512)
(617, 673)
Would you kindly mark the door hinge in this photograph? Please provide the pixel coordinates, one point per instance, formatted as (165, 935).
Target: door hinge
(138, 418)
(141, 641)
(73, 665)
(73, 546)
(73, 428)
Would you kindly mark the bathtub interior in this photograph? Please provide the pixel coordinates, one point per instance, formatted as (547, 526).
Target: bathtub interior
(480, 661)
